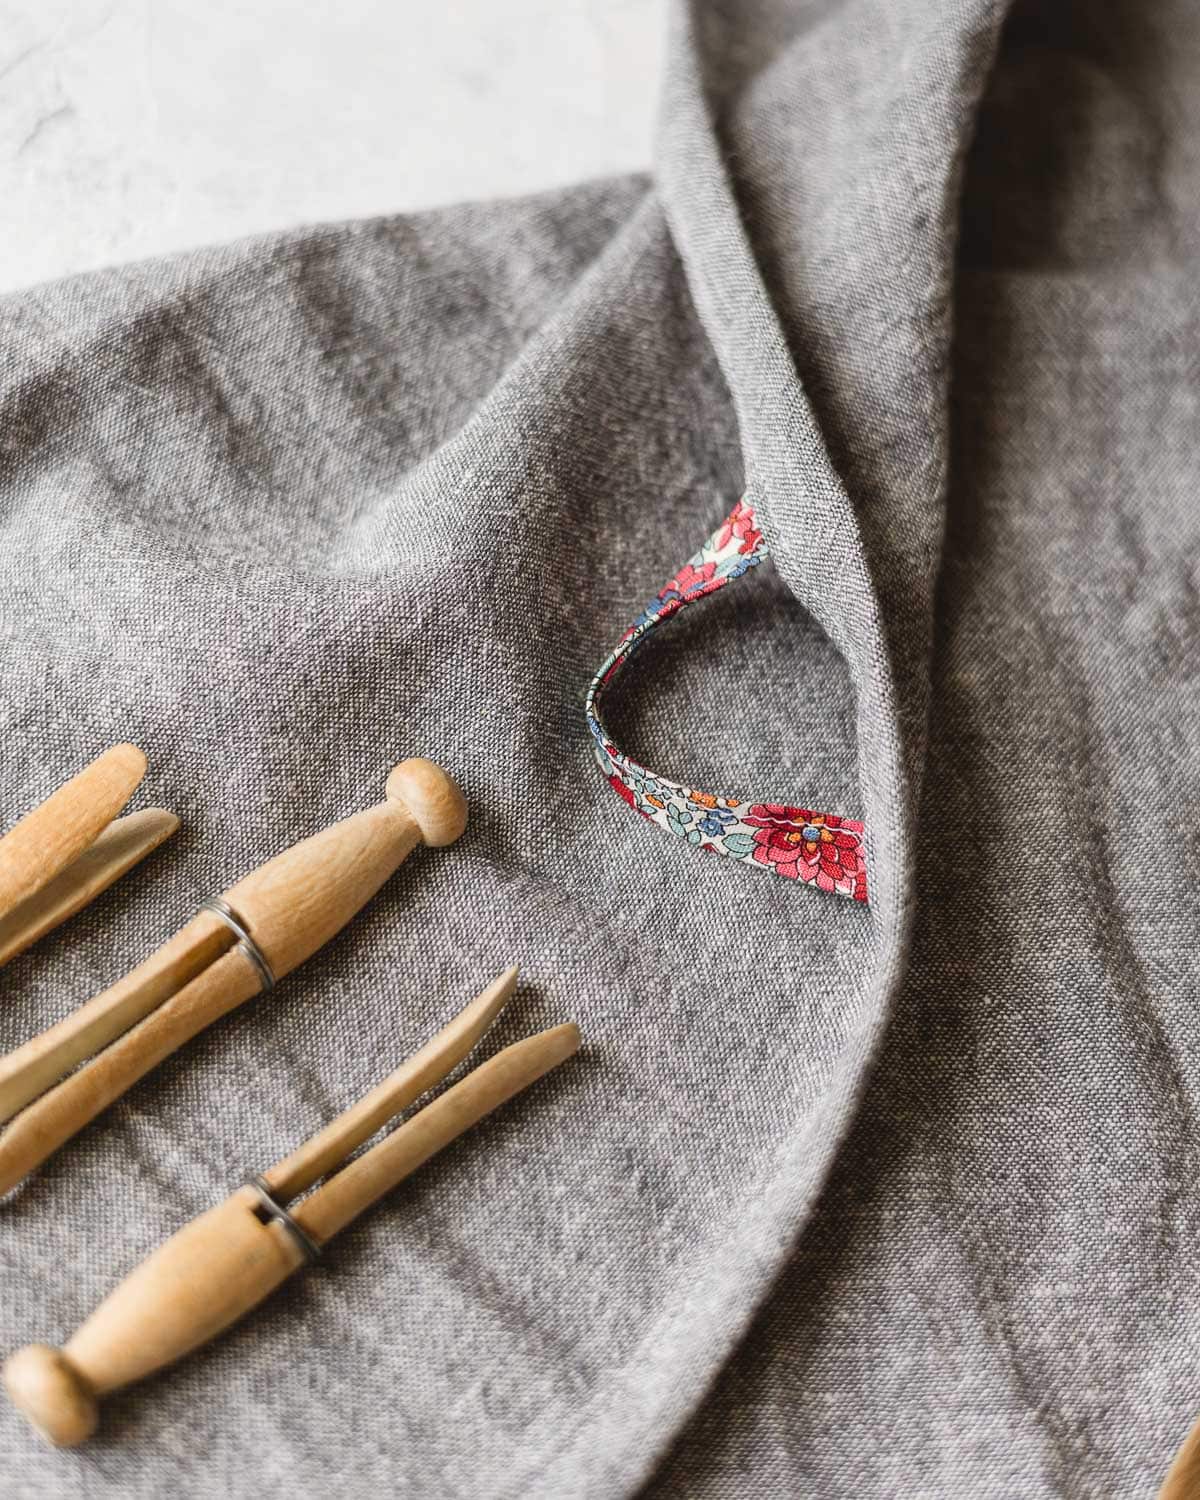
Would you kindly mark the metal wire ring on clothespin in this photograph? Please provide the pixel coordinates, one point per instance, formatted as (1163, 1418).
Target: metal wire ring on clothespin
(246, 943)
(311, 1249)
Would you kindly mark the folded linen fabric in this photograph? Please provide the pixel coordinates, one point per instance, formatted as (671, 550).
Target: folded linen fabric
(845, 1200)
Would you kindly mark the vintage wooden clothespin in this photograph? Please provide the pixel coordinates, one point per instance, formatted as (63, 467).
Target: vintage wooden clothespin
(1183, 1478)
(64, 853)
(222, 1264)
(236, 947)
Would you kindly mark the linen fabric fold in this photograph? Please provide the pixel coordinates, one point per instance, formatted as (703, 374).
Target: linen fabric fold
(838, 1200)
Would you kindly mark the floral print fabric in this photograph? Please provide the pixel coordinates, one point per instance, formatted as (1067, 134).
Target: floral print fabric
(819, 849)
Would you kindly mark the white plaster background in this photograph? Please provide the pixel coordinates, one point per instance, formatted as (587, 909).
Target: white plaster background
(133, 127)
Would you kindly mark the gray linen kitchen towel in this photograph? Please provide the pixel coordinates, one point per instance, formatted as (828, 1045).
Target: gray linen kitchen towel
(836, 1201)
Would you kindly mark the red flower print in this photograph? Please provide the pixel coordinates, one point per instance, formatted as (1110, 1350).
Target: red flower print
(688, 579)
(739, 524)
(813, 847)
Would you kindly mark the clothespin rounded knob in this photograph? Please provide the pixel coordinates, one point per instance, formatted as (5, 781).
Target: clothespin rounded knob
(430, 798)
(44, 1385)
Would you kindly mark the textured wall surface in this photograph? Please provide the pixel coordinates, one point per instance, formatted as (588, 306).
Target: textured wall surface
(129, 129)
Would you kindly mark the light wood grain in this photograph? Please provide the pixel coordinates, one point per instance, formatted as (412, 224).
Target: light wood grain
(121, 846)
(32, 1068)
(291, 906)
(54, 834)
(296, 902)
(331, 1146)
(52, 1120)
(1183, 1477)
(193, 1287)
(45, 1385)
(202, 1280)
(225, 1262)
(335, 1203)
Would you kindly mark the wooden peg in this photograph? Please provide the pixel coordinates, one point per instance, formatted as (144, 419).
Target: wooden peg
(1183, 1477)
(64, 853)
(330, 1147)
(122, 845)
(222, 1264)
(297, 901)
(288, 908)
(60, 1114)
(29, 1070)
(355, 1188)
(46, 840)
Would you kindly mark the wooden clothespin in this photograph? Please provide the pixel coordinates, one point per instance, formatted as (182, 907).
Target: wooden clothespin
(236, 947)
(64, 853)
(1183, 1477)
(222, 1264)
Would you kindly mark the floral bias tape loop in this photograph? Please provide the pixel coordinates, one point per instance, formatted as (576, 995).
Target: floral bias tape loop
(820, 849)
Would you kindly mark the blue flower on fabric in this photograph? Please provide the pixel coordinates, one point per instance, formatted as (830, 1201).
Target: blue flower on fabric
(653, 610)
